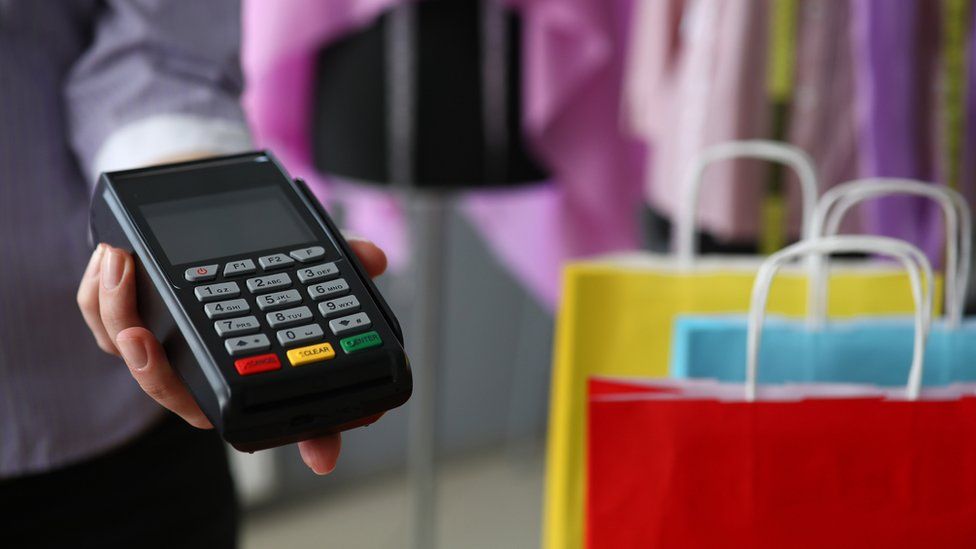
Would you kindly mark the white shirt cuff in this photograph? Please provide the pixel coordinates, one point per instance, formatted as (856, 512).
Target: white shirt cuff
(149, 140)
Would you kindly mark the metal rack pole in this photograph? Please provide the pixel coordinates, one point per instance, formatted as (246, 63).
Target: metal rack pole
(429, 218)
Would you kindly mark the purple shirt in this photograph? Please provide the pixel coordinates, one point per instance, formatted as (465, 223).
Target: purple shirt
(73, 74)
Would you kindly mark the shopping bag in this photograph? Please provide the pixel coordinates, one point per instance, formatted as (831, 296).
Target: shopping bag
(701, 463)
(857, 351)
(617, 313)
(860, 350)
(703, 471)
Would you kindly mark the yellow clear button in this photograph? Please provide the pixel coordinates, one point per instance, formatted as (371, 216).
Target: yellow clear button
(311, 353)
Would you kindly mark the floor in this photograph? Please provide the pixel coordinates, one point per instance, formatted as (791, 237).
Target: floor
(492, 500)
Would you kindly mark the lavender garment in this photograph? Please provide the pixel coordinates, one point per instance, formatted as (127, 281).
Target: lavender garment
(71, 72)
(573, 51)
(896, 48)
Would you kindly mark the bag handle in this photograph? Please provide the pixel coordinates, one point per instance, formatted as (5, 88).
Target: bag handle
(904, 252)
(772, 151)
(838, 201)
(958, 240)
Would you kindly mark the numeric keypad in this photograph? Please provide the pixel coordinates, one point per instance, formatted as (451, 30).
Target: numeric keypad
(287, 311)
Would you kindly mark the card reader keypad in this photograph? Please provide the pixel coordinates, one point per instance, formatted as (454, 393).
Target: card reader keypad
(304, 302)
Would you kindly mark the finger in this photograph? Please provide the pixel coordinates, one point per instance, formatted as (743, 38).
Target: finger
(321, 454)
(88, 301)
(370, 255)
(147, 362)
(117, 292)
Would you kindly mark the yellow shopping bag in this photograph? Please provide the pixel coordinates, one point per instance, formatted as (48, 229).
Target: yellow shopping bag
(616, 316)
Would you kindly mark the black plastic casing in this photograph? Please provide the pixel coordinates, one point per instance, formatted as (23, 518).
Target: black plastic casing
(267, 409)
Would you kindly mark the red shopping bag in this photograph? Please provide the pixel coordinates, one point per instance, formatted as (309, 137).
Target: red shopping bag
(675, 470)
(699, 463)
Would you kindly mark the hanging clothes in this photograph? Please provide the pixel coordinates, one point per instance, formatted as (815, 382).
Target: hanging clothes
(574, 64)
(823, 109)
(696, 77)
(968, 183)
(896, 48)
(573, 51)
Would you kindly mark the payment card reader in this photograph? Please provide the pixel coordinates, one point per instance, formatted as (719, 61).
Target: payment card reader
(263, 309)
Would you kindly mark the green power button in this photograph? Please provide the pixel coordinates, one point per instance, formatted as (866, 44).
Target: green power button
(360, 342)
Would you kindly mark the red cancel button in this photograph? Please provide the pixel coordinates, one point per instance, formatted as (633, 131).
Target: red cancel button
(257, 364)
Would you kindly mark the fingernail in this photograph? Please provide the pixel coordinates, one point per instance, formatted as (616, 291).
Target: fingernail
(349, 236)
(95, 262)
(112, 266)
(134, 353)
(315, 464)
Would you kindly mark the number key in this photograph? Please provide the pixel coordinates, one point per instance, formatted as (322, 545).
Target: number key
(236, 326)
(328, 289)
(299, 335)
(221, 309)
(338, 306)
(277, 300)
(213, 292)
(288, 316)
(317, 272)
(261, 284)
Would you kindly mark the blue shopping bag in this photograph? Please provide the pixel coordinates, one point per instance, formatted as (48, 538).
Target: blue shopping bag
(861, 350)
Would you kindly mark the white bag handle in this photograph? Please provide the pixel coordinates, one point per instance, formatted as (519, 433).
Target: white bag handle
(772, 151)
(900, 250)
(836, 202)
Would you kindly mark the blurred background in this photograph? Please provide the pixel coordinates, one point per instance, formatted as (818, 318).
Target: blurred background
(486, 143)
(532, 170)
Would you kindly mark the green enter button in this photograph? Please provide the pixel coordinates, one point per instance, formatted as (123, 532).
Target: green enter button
(360, 342)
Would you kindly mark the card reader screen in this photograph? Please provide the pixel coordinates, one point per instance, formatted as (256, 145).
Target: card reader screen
(221, 224)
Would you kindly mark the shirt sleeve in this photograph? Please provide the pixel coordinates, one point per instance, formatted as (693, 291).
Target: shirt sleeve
(160, 78)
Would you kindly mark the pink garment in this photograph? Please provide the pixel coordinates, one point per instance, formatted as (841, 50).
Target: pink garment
(280, 41)
(573, 53)
(824, 112)
(696, 77)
